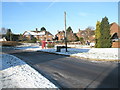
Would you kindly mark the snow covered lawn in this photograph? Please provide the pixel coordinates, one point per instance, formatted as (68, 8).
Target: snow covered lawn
(29, 46)
(100, 54)
(89, 53)
(18, 74)
(71, 51)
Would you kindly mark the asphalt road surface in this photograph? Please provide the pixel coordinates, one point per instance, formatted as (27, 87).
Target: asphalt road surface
(68, 72)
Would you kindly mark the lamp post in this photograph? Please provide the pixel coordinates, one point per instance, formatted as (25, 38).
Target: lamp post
(65, 31)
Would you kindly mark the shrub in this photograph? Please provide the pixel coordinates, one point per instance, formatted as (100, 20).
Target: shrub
(30, 41)
(33, 40)
(9, 43)
(50, 45)
(82, 40)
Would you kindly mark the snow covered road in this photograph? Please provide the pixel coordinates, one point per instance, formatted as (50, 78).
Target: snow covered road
(17, 74)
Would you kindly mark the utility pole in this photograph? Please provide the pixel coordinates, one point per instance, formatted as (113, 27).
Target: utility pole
(10, 36)
(65, 36)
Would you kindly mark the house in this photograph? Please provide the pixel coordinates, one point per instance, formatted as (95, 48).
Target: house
(70, 35)
(40, 35)
(115, 34)
(87, 35)
(115, 31)
(60, 35)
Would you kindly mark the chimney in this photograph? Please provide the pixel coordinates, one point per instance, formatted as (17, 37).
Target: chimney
(79, 30)
(37, 30)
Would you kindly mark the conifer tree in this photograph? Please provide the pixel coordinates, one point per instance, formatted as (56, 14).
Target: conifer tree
(43, 29)
(97, 34)
(69, 29)
(104, 41)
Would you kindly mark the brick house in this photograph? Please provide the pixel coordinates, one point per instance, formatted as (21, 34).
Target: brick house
(115, 31)
(60, 35)
(115, 34)
(40, 35)
(70, 36)
(88, 35)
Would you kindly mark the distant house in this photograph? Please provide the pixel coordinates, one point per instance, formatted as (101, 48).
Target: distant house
(88, 35)
(40, 35)
(60, 35)
(70, 36)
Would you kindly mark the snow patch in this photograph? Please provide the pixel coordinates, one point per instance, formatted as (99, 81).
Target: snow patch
(18, 74)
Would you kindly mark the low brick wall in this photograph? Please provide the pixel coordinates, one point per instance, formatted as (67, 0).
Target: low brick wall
(116, 44)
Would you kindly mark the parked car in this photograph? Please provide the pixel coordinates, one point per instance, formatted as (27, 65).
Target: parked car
(92, 44)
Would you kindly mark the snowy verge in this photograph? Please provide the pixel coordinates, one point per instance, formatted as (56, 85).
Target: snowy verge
(88, 53)
(110, 54)
(29, 46)
(17, 74)
(101, 53)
